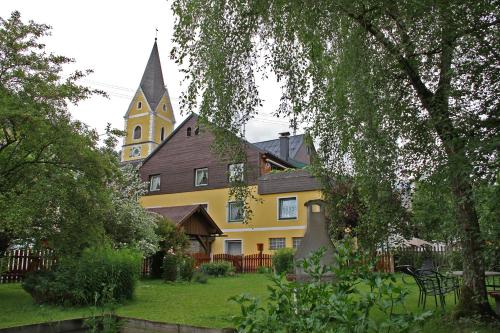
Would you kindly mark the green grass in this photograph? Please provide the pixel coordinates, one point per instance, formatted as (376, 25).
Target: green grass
(189, 303)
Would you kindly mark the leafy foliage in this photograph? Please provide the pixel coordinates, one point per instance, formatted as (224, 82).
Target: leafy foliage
(170, 266)
(58, 185)
(221, 268)
(283, 261)
(321, 306)
(392, 92)
(98, 274)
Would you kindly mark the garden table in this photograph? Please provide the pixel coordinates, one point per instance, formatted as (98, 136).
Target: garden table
(492, 275)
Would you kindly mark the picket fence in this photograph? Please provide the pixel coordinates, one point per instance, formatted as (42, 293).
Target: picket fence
(20, 262)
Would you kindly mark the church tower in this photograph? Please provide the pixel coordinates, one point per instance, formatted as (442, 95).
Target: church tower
(150, 117)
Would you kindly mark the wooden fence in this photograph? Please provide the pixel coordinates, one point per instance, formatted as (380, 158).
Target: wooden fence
(20, 262)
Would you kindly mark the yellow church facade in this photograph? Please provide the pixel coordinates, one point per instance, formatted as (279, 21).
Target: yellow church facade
(150, 117)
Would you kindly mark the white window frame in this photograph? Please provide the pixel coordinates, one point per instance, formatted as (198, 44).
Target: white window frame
(196, 177)
(233, 239)
(231, 178)
(228, 219)
(278, 208)
(293, 241)
(150, 183)
(277, 248)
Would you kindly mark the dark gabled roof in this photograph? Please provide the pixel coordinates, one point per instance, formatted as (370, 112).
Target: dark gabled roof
(152, 84)
(291, 163)
(273, 146)
(180, 214)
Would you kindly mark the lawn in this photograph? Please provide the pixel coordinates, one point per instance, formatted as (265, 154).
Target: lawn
(187, 303)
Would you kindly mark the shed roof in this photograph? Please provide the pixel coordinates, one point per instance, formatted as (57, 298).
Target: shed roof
(181, 214)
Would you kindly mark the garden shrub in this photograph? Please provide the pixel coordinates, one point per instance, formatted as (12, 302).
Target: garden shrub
(222, 268)
(157, 264)
(186, 268)
(200, 277)
(263, 270)
(170, 266)
(319, 305)
(86, 279)
(283, 261)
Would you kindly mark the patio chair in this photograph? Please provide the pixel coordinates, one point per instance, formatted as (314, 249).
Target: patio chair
(411, 271)
(438, 285)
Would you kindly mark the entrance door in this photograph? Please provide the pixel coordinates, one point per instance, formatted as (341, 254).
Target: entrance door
(233, 247)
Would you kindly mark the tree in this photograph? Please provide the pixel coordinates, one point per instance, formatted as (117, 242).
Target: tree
(391, 90)
(58, 186)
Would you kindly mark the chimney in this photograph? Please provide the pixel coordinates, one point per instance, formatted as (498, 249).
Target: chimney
(285, 145)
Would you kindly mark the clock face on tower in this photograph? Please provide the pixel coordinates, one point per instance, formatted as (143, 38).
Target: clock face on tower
(135, 151)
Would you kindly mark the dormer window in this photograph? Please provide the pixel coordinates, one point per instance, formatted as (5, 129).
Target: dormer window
(162, 134)
(188, 131)
(201, 177)
(154, 183)
(139, 105)
(236, 172)
(137, 132)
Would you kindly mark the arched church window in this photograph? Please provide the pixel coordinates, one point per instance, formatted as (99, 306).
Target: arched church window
(188, 132)
(137, 132)
(139, 105)
(162, 134)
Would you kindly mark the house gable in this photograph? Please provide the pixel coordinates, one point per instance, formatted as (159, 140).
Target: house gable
(177, 158)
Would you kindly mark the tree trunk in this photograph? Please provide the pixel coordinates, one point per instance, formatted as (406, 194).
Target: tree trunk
(473, 297)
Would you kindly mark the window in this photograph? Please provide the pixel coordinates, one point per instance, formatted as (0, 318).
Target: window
(196, 131)
(287, 208)
(135, 151)
(139, 105)
(164, 107)
(137, 132)
(162, 134)
(296, 242)
(236, 172)
(235, 211)
(201, 177)
(233, 247)
(276, 243)
(188, 131)
(154, 183)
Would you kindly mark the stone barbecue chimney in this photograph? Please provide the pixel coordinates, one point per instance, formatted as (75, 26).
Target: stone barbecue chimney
(285, 145)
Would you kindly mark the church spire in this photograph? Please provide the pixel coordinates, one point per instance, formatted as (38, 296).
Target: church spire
(152, 83)
(150, 117)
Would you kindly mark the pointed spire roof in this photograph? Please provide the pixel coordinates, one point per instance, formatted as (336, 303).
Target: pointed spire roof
(152, 83)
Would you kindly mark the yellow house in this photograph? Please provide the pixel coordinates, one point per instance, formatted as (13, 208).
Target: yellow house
(183, 171)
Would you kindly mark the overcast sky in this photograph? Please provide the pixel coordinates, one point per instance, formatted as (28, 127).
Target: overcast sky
(114, 38)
